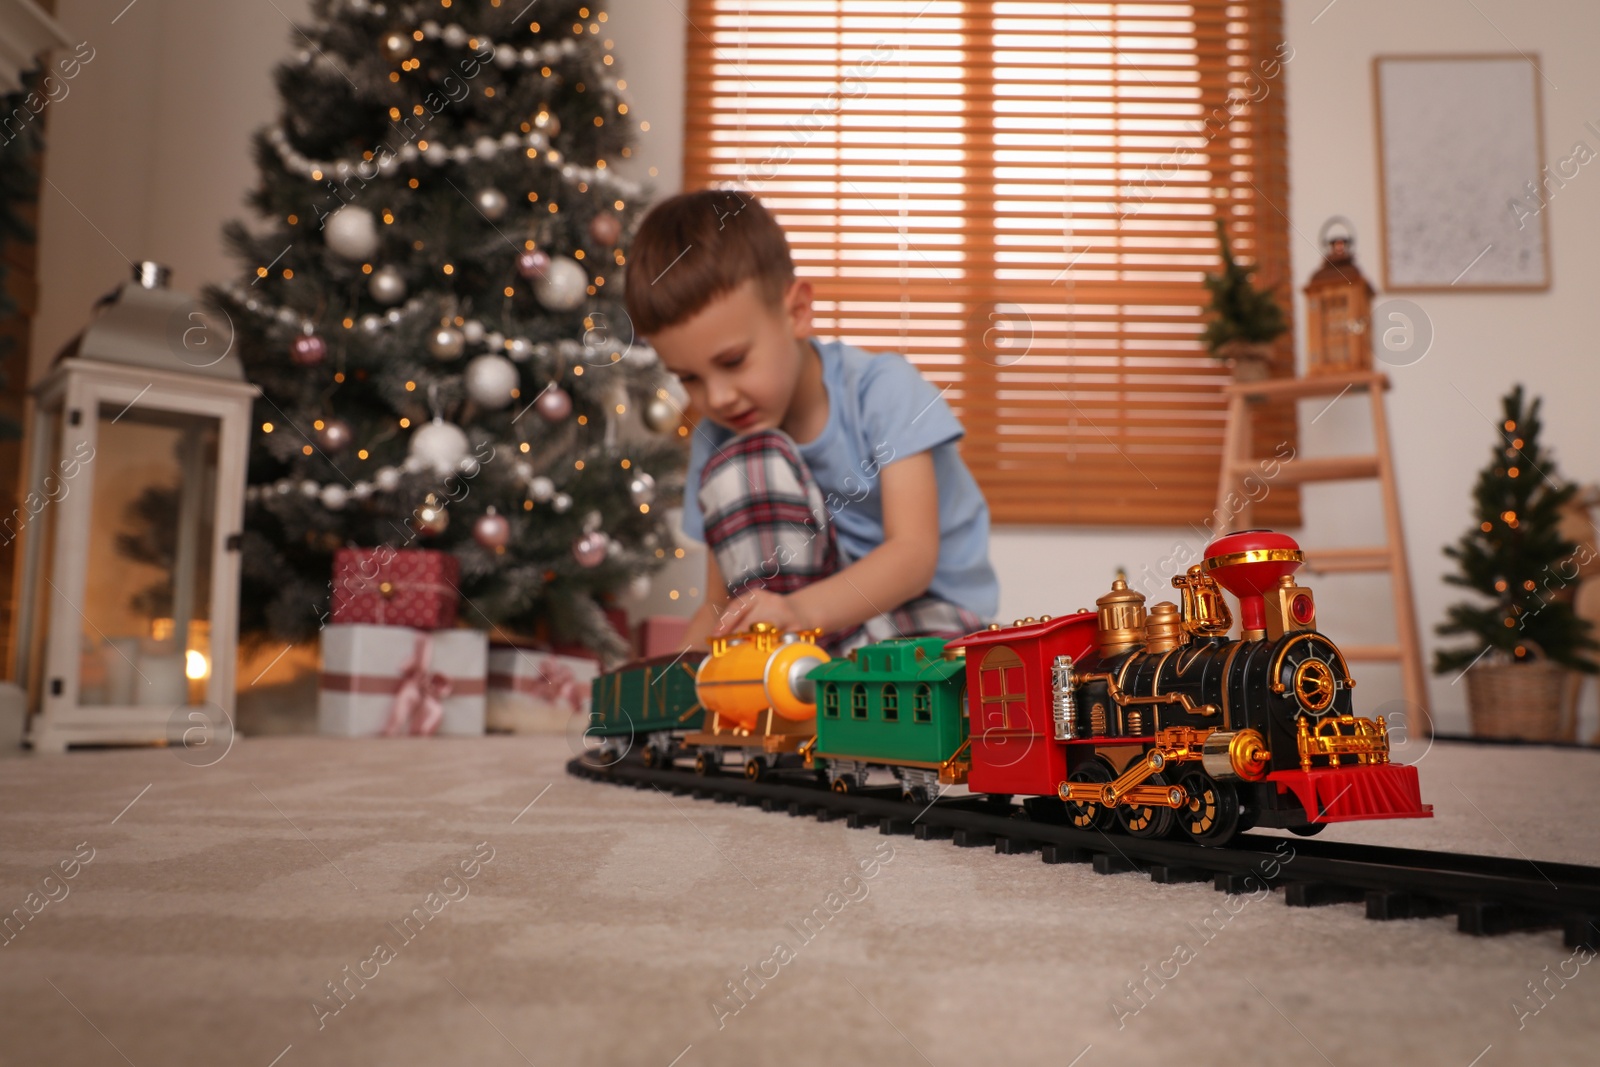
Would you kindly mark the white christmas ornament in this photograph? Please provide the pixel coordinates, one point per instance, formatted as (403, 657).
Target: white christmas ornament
(352, 232)
(387, 286)
(639, 588)
(489, 381)
(492, 202)
(440, 445)
(446, 343)
(334, 497)
(563, 285)
(387, 479)
(542, 488)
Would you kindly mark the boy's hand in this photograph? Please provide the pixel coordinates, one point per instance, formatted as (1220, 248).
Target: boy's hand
(758, 605)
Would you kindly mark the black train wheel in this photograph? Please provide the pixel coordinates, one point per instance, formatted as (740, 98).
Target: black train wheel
(755, 768)
(1211, 816)
(845, 783)
(1142, 820)
(651, 756)
(1086, 815)
(706, 763)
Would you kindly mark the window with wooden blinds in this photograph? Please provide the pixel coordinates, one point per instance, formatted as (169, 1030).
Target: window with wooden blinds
(1021, 197)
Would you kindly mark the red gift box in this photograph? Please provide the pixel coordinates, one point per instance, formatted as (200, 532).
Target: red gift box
(412, 587)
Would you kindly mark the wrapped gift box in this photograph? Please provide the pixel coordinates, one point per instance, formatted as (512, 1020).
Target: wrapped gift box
(533, 691)
(412, 587)
(382, 679)
(661, 635)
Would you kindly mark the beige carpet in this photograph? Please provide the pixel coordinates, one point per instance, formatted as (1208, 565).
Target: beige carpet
(602, 926)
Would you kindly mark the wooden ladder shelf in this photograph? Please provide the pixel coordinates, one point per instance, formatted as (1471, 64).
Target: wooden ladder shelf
(1389, 557)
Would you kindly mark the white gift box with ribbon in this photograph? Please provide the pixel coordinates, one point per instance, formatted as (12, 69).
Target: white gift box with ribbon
(394, 681)
(532, 691)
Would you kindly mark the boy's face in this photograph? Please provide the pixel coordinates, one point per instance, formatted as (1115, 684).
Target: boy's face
(740, 359)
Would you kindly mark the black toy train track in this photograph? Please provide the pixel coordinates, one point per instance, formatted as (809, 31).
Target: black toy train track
(1487, 894)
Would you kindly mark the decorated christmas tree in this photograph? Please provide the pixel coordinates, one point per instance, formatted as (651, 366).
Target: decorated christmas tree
(1516, 558)
(432, 308)
(1240, 311)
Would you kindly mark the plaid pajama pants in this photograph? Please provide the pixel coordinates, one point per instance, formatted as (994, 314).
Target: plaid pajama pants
(768, 527)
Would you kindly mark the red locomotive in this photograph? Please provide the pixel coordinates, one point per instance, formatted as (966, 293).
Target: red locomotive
(1156, 720)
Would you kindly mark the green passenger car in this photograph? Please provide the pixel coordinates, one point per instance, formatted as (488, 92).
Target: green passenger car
(896, 704)
(645, 705)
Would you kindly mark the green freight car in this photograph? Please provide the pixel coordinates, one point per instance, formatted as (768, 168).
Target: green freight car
(899, 705)
(647, 705)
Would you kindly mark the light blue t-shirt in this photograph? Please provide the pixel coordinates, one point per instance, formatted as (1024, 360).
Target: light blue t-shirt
(881, 409)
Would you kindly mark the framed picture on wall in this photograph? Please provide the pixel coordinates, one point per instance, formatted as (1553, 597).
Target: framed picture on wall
(1460, 172)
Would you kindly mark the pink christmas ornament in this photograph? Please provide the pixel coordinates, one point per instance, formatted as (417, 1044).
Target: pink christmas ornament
(532, 265)
(308, 350)
(492, 531)
(554, 404)
(590, 549)
(605, 228)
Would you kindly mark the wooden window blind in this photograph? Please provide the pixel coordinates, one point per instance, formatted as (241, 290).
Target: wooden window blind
(1021, 197)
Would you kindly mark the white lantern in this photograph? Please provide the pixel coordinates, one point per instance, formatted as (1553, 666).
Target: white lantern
(130, 583)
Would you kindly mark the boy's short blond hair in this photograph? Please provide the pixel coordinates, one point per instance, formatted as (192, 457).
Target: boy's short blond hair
(694, 247)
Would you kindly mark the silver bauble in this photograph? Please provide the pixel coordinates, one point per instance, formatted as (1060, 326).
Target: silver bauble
(387, 286)
(563, 286)
(561, 502)
(542, 489)
(431, 518)
(446, 343)
(642, 489)
(492, 202)
(334, 497)
(519, 349)
(472, 330)
(440, 445)
(387, 479)
(661, 416)
(335, 435)
(351, 232)
(395, 46)
(639, 588)
(490, 380)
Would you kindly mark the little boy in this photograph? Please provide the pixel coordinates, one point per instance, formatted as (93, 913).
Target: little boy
(824, 480)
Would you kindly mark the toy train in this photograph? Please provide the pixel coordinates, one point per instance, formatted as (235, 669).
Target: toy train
(1151, 722)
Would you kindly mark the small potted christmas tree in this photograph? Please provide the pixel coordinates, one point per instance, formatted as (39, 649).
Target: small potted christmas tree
(1246, 319)
(1527, 636)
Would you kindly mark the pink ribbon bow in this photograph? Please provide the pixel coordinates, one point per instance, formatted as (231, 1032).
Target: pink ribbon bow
(419, 702)
(557, 683)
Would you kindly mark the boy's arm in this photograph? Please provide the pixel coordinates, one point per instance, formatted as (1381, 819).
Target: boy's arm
(898, 570)
(704, 620)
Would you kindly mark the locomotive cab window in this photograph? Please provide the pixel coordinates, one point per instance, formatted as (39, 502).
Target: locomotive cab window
(858, 701)
(891, 704)
(830, 701)
(922, 704)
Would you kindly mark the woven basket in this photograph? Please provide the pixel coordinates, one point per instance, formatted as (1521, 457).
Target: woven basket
(1521, 700)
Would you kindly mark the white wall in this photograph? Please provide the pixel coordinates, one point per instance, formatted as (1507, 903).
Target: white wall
(152, 147)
